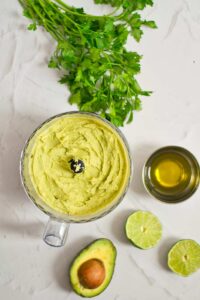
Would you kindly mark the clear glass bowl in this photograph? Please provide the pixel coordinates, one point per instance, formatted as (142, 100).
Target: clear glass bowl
(56, 230)
(174, 196)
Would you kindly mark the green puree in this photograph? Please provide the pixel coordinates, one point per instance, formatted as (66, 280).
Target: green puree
(89, 139)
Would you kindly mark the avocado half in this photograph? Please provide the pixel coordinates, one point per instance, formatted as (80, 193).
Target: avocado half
(102, 251)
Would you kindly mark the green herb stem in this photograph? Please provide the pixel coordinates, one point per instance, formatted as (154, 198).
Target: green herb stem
(91, 52)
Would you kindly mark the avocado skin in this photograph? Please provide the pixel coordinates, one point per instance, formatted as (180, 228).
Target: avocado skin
(105, 285)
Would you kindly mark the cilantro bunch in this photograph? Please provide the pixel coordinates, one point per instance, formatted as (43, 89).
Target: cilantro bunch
(98, 70)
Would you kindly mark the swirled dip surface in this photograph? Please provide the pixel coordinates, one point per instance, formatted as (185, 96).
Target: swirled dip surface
(89, 139)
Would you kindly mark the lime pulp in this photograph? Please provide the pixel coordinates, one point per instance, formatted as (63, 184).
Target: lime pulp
(184, 257)
(143, 229)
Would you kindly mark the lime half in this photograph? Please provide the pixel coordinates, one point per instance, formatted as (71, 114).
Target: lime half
(184, 257)
(143, 229)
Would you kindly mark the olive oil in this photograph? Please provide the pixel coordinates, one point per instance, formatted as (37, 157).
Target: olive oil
(171, 174)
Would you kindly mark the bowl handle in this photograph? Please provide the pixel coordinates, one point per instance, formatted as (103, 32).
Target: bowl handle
(55, 232)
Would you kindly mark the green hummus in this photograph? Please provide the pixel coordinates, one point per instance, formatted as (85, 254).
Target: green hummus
(107, 166)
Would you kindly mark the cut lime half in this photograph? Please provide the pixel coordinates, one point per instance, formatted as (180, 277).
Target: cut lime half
(184, 257)
(143, 229)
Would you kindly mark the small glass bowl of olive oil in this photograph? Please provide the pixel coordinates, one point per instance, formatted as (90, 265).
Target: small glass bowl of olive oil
(171, 174)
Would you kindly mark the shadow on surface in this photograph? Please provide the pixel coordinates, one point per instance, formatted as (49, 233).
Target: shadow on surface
(118, 225)
(13, 141)
(14, 204)
(64, 259)
(164, 248)
(33, 229)
(140, 156)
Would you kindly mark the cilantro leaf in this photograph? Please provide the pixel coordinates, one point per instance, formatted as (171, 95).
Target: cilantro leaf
(98, 70)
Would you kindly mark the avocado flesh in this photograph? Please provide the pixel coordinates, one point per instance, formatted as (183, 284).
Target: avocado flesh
(101, 249)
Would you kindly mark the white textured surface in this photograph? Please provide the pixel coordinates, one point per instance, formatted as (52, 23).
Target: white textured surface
(29, 93)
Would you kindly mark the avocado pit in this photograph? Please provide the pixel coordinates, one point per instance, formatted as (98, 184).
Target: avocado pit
(91, 273)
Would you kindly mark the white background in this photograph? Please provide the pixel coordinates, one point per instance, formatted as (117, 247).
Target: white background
(29, 93)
